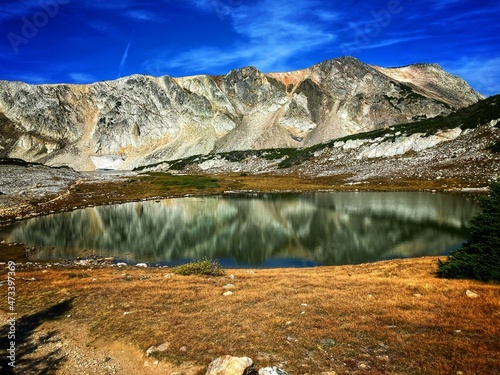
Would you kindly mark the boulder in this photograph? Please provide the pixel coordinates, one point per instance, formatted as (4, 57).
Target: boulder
(158, 349)
(272, 371)
(229, 365)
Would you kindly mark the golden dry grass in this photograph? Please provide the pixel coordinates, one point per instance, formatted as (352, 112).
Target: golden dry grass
(391, 317)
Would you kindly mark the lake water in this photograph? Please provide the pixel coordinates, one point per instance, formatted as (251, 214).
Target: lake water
(282, 230)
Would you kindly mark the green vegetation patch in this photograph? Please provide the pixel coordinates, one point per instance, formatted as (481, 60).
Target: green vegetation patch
(168, 181)
(200, 267)
(479, 258)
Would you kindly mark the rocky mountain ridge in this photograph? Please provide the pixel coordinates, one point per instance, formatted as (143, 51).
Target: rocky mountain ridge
(141, 120)
(464, 146)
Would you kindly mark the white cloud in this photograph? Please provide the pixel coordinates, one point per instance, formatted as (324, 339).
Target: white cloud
(142, 15)
(17, 9)
(79, 77)
(271, 33)
(34, 78)
(124, 58)
(481, 73)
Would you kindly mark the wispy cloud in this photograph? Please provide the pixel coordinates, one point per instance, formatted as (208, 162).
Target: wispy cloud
(481, 73)
(441, 4)
(16, 9)
(386, 42)
(271, 32)
(124, 57)
(79, 77)
(143, 15)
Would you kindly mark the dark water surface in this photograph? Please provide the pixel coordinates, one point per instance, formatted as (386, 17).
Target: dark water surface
(267, 230)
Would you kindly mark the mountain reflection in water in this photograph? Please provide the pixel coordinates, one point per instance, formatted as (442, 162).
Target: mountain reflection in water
(265, 230)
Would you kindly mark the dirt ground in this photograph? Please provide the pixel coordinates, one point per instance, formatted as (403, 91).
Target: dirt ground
(391, 317)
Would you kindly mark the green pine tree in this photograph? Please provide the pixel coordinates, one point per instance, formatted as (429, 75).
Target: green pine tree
(479, 258)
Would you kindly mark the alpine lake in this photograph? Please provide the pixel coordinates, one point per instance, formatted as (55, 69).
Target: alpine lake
(256, 230)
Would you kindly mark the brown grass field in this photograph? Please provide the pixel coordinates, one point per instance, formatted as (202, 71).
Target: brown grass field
(390, 317)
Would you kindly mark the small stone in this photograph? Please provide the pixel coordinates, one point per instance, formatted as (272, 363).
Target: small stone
(183, 349)
(121, 264)
(471, 294)
(158, 349)
(327, 343)
(272, 371)
(228, 365)
(228, 293)
(382, 345)
(328, 373)
(363, 366)
(141, 265)
(228, 286)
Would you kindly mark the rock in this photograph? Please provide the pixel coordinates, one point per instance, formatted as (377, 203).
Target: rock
(328, 373)
(158, 349)
(228, 293)
(141, 265)
(121, 264)
(363, 366)
(228, 286)
(229, 365)
(327, 343)
(471, 294)
(271, 371)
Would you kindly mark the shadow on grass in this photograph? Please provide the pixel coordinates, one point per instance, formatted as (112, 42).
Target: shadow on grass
(27, 343)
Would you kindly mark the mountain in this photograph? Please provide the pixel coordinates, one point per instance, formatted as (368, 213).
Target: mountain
(141, 120)
(462, 147)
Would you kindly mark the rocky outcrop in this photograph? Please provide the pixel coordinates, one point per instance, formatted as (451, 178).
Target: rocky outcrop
(141, 120)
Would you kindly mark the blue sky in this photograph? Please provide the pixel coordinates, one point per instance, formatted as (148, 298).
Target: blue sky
(83, 41)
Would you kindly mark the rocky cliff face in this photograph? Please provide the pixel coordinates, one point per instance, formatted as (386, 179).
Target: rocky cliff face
(141, 120)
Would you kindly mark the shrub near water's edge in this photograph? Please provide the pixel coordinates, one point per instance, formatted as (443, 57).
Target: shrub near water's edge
(479, 258)
(200, 267)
